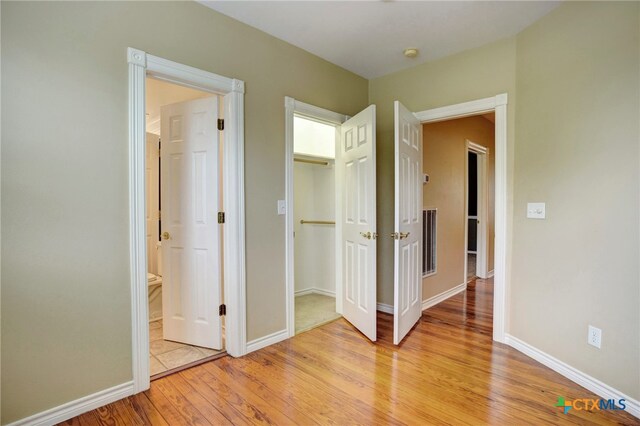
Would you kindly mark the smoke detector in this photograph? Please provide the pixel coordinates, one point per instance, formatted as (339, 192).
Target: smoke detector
(410, 52)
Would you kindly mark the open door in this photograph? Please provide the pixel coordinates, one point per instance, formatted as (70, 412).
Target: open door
(356, 165)
(190, 230)
(407, 286)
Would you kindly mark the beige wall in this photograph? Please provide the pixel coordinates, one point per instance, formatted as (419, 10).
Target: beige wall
(65, 310)
(65, 276)
(445, 155)
(475, 74)
(577, 118)
(577, 137)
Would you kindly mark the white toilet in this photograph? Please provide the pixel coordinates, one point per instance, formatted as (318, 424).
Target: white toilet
(155, 288)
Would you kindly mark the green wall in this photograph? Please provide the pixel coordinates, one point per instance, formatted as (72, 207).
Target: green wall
(66, 329)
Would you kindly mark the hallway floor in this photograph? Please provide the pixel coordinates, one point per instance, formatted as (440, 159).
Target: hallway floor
(471, 266)
(313, 310)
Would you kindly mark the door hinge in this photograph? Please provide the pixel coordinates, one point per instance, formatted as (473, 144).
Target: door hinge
(222, 310)
(220, 123)
(220, 217)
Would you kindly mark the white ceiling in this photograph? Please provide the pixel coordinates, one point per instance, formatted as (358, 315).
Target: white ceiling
(368, 37)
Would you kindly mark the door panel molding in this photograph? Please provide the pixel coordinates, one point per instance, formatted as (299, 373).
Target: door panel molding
(190, 202)
(407, 282)
(142, 65)
(356, 161)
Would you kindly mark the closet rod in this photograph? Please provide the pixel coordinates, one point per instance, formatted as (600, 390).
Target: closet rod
(302, 160)
(317, 222)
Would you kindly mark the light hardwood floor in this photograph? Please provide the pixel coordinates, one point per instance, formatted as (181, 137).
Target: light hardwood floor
(447, 371)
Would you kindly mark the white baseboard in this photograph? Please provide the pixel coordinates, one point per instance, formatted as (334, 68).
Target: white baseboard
(383, 307)
(434, 300)
(267, 340)
(594, 385)
(490, 274)
(79, 406)
(315, 290)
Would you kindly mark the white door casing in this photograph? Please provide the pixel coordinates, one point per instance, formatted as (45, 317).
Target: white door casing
(407, 288)
(357, 162)
(190, 230)
(482, 242)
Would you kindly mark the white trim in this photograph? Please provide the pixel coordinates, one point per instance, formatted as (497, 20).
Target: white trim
(383, 307)
(267, 340)
(499, 105)
(490, 274)
(315, 290)
(482, 212)
(79, 406)
(142, 65)
(464, 109)
(293, 107)
(477, 148)
(594, 385)
(434, 300)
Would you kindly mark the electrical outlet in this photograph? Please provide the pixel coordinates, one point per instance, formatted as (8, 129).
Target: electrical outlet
(595, 337)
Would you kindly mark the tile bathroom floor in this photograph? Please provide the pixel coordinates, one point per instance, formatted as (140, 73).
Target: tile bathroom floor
(166, 355)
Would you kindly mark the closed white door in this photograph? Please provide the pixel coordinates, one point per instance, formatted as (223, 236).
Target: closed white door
(190, 230)
(407, 289)
(357, 162)
(152, 199)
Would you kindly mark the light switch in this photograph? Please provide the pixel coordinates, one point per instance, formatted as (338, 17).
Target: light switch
(536, 210)
(282, 207)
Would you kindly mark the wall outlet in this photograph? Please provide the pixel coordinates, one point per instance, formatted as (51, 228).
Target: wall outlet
(595, 337)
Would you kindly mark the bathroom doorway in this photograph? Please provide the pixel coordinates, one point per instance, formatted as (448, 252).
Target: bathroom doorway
(183, 183)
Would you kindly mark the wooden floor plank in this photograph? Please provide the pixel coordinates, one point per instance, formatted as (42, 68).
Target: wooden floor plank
(184, 404)
(447, 370)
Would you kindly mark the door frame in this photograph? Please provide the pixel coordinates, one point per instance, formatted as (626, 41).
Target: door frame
(293, 107)
(142, 65)
(482, 258)
(497, 104)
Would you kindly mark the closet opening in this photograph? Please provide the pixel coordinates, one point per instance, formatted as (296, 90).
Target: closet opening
(314, 222)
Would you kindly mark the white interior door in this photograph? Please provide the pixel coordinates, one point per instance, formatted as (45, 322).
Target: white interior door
(356, 159)
(191, 234)
(407, 289)
(152, 152)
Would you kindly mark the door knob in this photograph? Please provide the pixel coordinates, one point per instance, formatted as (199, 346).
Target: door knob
(165, 235)
(367, 235)
(400, 235)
